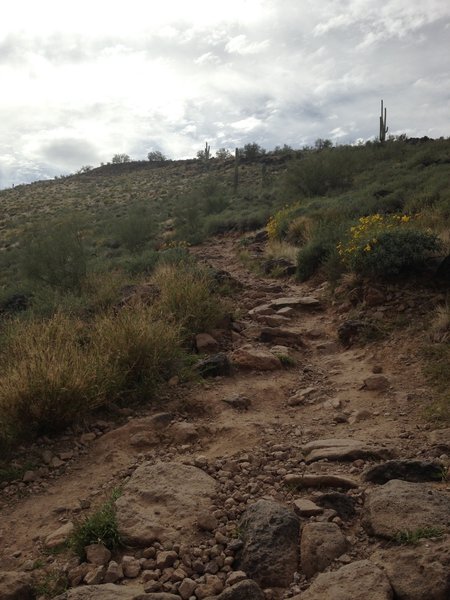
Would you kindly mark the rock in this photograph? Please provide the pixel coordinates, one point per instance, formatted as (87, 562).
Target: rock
(273, 320)
(77, 574)
(114, 572)
(440, 438)
(160, 421)
(107, 591)
(302, 396)
(87, 438)
(214, 366)
(374, 297)
(157, 596)
(187, 587)
(15, 586)
(183, 432)
(131, 567)
(306, 508)
(359, 415)
(346, 449)
(244, 590)
(302, 302)
(263, 309)
(207, 521)
(29, 476)
(271, 538)
(408, 470)
(238, 402)
(235, 577)
(282, 266)
(283, 337)
(97, 554)
(166, 559)
(401, 506)
(95, 576)
(344, 505)
(252, 358)
(205, 342)
(59, 536)
(360, 580)
(376, 383)
(418, 572)
(324, 480)
(352, 330)
(213, 585)
(321, 543)
(160, 494)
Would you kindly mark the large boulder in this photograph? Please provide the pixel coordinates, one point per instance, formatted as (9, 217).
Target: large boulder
(271, 543)
(401, 506)
(408, 470)
(361, 580)
(418, 572)
(244, 590)
(162, 501)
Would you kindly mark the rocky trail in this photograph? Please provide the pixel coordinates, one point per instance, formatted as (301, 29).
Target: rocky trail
(304, 469)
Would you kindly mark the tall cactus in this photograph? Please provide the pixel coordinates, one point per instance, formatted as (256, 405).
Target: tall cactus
(207, 151)
(383, 128)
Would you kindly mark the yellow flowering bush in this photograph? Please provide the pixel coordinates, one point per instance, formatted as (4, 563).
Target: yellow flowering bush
(278, 224)
(385, 245)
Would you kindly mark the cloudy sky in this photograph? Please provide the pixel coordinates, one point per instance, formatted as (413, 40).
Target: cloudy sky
(81, 81)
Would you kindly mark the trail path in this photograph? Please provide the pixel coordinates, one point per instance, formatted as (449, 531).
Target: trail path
(331, 402)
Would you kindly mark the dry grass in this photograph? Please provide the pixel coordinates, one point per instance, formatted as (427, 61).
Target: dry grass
(280, 249)
(186, 298)
(440, 324)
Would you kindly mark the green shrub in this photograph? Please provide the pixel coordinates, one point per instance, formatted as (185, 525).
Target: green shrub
(311, 257)
(55, 255)
(136, 228)
(385, 247)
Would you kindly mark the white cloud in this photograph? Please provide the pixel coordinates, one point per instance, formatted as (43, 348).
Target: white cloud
(83, 81)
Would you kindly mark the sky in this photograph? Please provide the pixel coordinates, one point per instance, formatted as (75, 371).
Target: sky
(82, 81)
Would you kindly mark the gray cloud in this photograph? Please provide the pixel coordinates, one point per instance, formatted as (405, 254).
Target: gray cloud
(297, 71)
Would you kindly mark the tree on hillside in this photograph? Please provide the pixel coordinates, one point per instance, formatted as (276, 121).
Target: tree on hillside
(252, 151)
(223, 153)
(120, 158)
(156, 156)
(321, 144)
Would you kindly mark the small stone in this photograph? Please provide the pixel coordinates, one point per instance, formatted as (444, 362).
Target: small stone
(306, 508)
(114, 572)
(235, 577)
(207, 521)
(376, 383)
(131, 567)
(29, 476)
(95, 576)
(187, 588)
(59, 536)
(97, 554)
(166, 559)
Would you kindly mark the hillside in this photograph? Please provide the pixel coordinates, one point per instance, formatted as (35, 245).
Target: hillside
(257, 415)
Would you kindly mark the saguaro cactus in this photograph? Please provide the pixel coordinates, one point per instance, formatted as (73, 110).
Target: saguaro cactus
(207, 151)
(383, 128)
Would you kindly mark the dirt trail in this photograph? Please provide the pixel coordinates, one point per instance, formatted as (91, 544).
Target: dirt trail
(334, 374)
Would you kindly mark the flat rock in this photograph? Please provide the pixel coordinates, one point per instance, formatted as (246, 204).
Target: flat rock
(252, 358)
(271, 543)
(279, 335)
(15, 586)
(108, 591)
(440, 438)
(159, 496)
(346, 449)
(306, 508)
(301, 302)
(418, 572)
(217, 365)
(361, 580)
(401, 506)
(322, 480)
(321, 543)
(244, 590)
(408, 470)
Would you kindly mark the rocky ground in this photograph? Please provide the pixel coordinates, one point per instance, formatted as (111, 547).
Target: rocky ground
(302, 468)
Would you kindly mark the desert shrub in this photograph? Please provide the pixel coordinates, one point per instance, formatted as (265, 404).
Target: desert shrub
(319, 173)
(49, 376)
(186, 297)
(55, 255)
(382, 246)
(136, 228)
(278, 224)
(320, 250)
(300, 230)
(140, 263)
